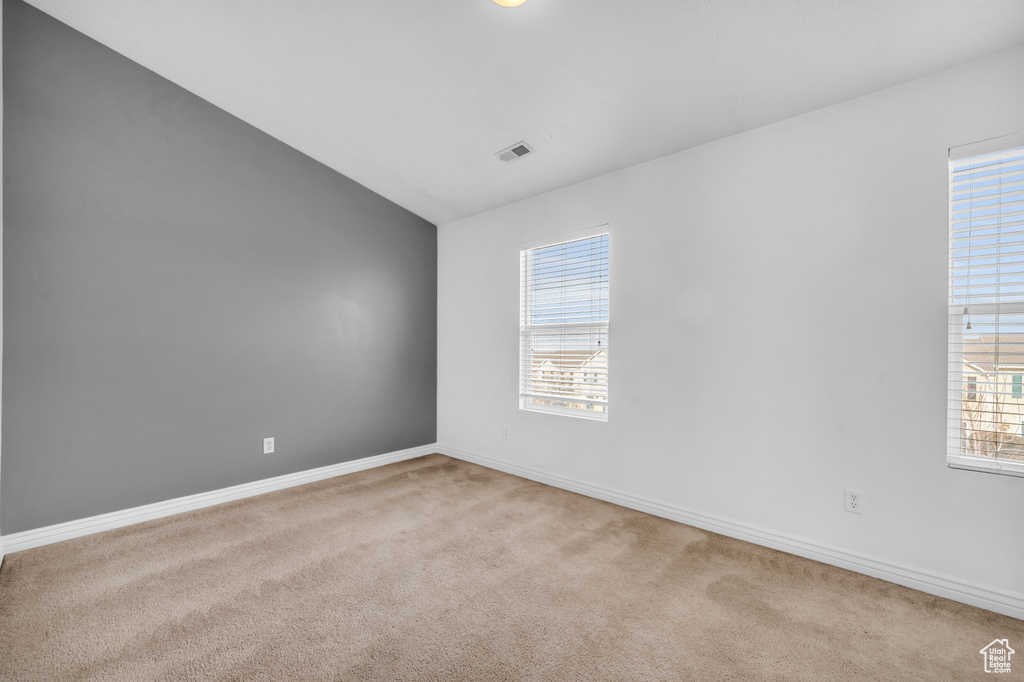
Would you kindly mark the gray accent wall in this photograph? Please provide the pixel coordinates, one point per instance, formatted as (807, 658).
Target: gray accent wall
(179, 285)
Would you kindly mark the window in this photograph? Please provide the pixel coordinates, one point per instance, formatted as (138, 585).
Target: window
(986, 306)
(563, 328)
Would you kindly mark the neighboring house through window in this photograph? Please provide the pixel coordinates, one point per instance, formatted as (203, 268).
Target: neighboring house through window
(563, 327)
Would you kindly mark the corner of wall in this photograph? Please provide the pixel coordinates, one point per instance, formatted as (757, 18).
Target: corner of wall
(1, 247)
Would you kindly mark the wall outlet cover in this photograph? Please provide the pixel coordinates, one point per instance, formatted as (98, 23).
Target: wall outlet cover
(853, 501)
(268, 446)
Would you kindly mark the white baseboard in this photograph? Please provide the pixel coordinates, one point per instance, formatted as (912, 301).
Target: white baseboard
(992, 599)
(15, 542)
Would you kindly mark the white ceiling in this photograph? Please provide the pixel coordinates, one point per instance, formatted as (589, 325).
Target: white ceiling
(412, 98)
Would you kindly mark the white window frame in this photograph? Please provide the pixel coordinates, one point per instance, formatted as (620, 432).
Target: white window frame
(525, 398)
(955, 458)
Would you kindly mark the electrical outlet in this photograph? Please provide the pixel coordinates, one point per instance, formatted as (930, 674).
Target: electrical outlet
(268, 446)
(504, 433)
(853, 501)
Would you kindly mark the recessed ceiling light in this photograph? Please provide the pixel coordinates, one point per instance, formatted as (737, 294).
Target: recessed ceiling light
(510, 3)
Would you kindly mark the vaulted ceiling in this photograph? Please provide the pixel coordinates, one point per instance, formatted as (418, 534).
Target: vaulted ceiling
(412, 98)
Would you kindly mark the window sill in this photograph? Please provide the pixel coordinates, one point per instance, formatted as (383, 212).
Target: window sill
(986, 465)
(566, 412)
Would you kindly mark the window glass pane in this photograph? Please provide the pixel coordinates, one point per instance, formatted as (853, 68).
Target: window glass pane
(564, 327)
(569, 282)
(986, 296)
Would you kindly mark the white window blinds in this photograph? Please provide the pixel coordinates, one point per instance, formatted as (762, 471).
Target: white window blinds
(563, 328)
(985, 429)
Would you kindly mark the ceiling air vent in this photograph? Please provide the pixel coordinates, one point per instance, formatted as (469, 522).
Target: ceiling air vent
(515, 151)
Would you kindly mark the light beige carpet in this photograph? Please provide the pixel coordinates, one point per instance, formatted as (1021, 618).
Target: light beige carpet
(435, 569)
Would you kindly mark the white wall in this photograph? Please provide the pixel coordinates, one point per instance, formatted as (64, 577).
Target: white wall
(1, 241)
(798, 270)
